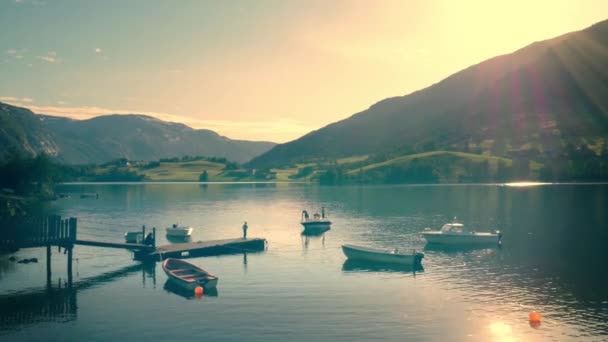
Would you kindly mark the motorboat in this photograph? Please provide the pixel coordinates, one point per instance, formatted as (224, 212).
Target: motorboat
(134, 237)
(187, 275)
(316, 222)
(179, 231)
(455, 234)
(393, 256)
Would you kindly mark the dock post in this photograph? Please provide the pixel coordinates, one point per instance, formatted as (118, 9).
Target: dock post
(143, 233)
(70, 247)
(70, 266)
(154, 237)
(48, 265)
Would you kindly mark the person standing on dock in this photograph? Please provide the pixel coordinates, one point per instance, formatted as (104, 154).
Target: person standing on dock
(245, 230)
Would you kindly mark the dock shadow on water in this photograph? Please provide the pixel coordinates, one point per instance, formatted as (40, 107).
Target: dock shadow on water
(58, 303)
(367, 266)
(172, 287)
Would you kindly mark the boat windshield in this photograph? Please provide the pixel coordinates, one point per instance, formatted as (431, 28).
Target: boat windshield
(452, 228)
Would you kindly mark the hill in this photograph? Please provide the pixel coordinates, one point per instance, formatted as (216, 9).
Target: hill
(109, 137)
(543, 97)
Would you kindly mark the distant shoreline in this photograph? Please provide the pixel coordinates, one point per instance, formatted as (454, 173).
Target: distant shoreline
(509, 185)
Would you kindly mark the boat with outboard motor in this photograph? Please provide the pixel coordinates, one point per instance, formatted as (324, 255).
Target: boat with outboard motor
(455, 234)
(317, 222)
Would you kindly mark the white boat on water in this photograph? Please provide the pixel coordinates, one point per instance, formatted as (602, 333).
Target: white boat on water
(316, 222)
(179, 231)
(382, 255)
(455, 234)
(134, 237)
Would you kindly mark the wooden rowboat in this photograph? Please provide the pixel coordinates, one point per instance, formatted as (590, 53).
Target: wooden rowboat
(188, 276)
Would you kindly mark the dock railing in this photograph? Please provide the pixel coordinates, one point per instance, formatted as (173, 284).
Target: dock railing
(29, 232)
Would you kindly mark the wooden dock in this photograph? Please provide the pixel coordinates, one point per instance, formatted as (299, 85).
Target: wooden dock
(204, 248)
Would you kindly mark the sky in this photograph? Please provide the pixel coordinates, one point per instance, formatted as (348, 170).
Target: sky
(269, 70)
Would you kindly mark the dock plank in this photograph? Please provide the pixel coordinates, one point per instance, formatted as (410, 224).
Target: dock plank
(131, 246)
(208, 248)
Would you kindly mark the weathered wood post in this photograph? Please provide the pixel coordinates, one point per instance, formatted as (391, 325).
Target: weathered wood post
(70, 246)
(50, 237)
(153, 237)
(143, 234)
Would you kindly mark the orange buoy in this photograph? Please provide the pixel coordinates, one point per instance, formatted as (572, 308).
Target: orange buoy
(534, 317)
(198, 291)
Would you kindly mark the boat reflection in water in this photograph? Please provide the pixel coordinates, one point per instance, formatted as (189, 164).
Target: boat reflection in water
(450, 249)
(371, 266)
(171, 286)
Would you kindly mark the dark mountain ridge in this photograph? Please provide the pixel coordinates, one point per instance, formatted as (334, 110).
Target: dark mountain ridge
(541, 95)
(104, 138)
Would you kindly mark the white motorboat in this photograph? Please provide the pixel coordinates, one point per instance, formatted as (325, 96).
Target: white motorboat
(317, 222)
(179, 231)
(382, 255)
(134, 237)
(455, 234)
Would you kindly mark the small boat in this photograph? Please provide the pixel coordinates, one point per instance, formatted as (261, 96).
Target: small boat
(317, 222)
(134, 237)
(179, 231)
(393, 256)
(188, 276)
(454, 234)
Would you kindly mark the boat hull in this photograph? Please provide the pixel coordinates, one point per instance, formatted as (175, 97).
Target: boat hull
(381, 256)
(461, 239)
(316, 225)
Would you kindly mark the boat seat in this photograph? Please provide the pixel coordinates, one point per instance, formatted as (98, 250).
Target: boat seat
(184, 270)
(195, 277)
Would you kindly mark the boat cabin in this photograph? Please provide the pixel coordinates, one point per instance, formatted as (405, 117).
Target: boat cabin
(452, 228)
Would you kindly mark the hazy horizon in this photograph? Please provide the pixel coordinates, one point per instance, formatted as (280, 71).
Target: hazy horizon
(267, 70)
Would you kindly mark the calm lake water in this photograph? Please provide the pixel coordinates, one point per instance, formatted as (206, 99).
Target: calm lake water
(553, 260)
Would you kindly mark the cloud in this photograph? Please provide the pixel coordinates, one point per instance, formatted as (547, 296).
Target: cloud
(11, 51)
(26, 99)
(9, 99)
(98, 51)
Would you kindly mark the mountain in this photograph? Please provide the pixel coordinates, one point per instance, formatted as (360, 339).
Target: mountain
(543, 95)
(104, 138)
(23, 130)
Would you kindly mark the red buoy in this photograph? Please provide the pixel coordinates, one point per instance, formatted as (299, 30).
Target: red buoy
(534, 317)
(198, 291)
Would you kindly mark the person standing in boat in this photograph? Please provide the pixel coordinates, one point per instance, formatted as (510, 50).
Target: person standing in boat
(245, 230)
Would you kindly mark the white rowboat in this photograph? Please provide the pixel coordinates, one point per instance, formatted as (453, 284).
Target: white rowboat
(382, 255)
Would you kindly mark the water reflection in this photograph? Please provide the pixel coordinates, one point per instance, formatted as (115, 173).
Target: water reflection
(47, 305)
(315, 235)
(172, 287)
(451, 249)
(367, 266)
(59, 303)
